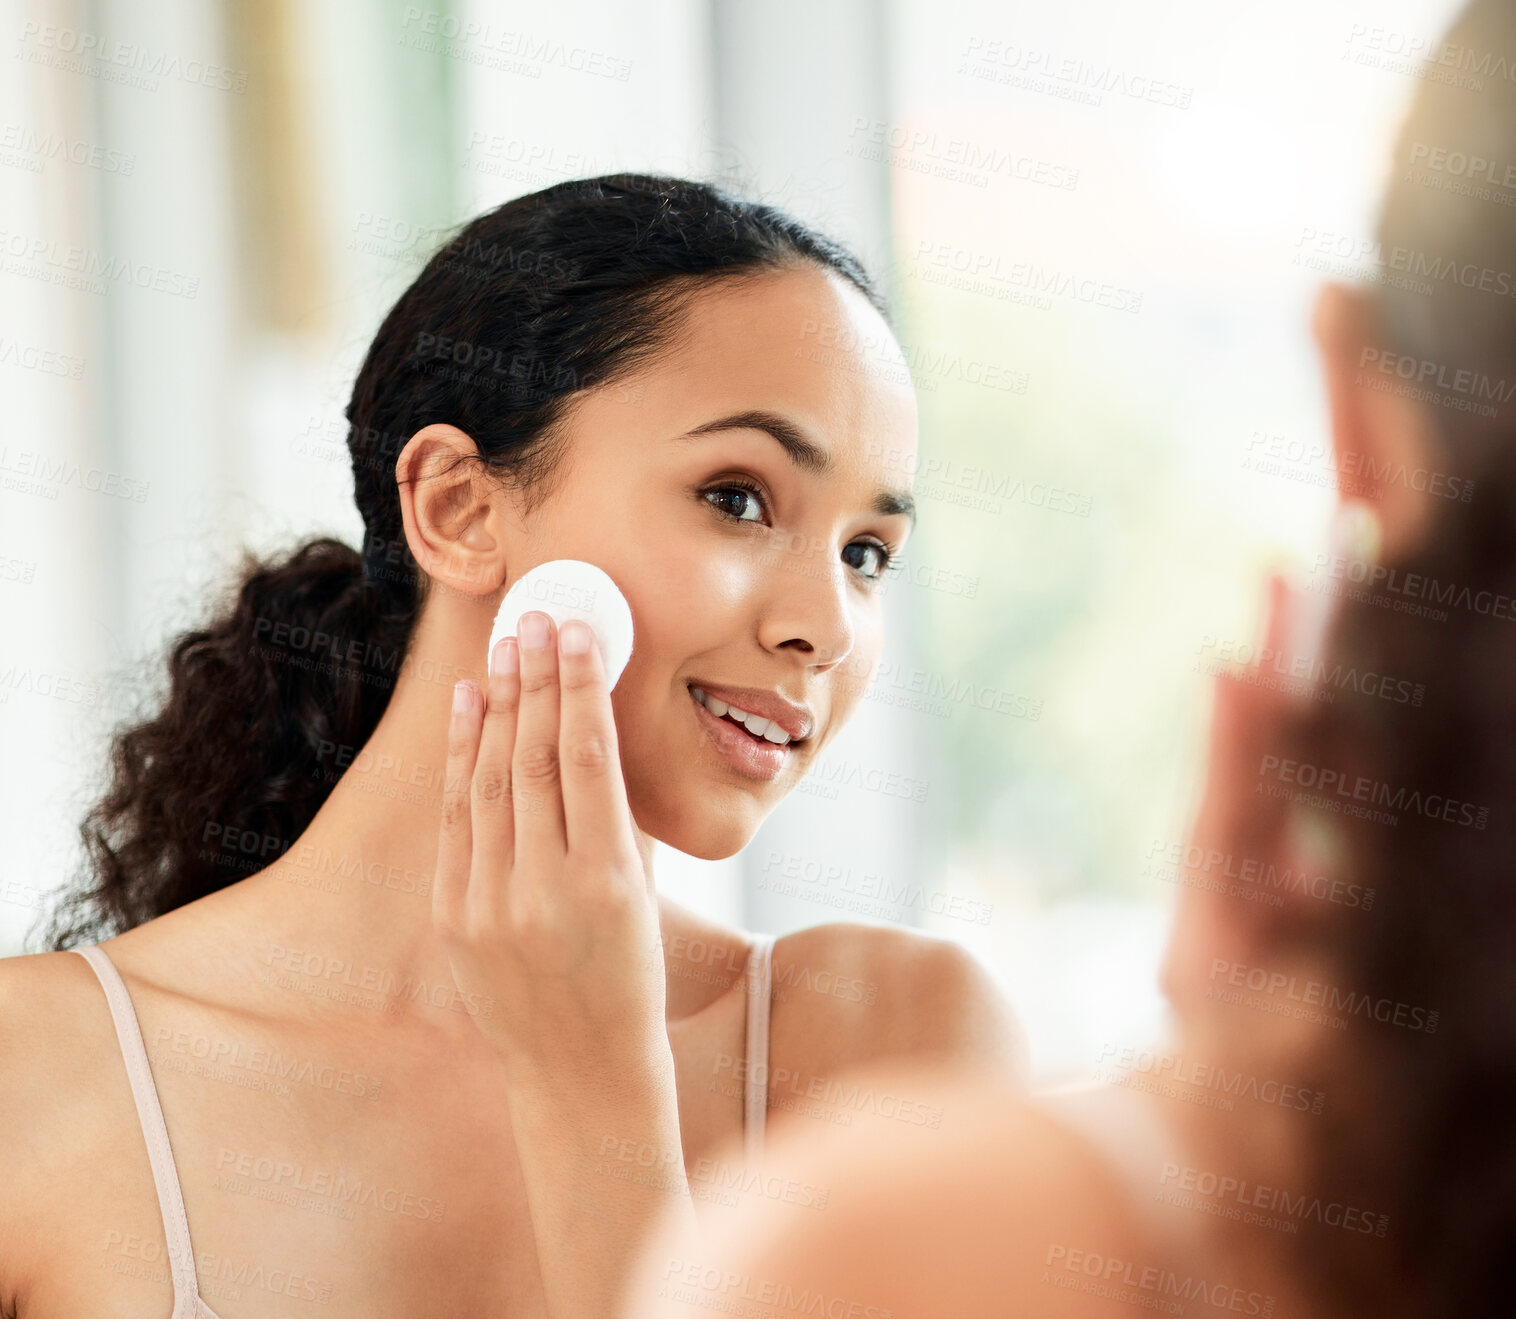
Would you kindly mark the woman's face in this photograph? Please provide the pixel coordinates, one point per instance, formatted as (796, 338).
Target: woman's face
(746, 565)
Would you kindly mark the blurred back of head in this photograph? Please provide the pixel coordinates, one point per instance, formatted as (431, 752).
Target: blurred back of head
(1419, 1122)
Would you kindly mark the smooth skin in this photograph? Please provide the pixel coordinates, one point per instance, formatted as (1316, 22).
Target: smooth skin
(304, 1024)
(1054, 1205)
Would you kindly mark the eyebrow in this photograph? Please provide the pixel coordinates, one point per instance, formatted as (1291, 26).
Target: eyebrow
(804, 452)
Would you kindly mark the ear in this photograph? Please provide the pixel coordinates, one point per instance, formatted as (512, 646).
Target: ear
(455, 530)
(1381, 435)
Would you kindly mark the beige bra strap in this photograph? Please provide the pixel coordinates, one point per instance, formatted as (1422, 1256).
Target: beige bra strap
(755, 1091)
(150, 1115)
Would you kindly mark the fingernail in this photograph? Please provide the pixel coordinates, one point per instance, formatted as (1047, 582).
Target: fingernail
(533, 630)
(505, 656)
(461, 697)
(574, 637)
(1356, 533)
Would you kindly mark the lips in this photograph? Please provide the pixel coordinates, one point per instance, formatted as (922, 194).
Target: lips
(765, 714)
(752, 757)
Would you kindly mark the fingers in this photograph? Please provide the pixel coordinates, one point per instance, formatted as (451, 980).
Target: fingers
(1249, 717)
(537, 790)
(494, 828)
(595, 809)
(455, 842)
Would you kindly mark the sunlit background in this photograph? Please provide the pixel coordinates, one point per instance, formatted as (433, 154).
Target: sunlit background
(1100, 223)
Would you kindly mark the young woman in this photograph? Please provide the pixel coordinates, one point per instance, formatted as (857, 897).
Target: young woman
(1331, 1132)
(392, 1070)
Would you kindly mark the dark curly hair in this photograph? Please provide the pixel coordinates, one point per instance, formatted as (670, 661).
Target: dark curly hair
(564, 290)
(1420, 1127)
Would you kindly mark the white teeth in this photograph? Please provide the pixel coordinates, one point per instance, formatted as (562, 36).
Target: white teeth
(710, 702)
(755, 724)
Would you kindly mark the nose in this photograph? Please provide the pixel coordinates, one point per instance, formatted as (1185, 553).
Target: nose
(809, 610)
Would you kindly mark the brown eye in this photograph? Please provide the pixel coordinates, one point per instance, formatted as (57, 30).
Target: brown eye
(739, 493)
(882, 553)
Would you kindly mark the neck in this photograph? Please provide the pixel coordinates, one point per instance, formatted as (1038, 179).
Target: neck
(357, 883)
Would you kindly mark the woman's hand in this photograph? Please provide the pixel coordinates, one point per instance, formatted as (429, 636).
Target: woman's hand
(540, 894)
(547, 914)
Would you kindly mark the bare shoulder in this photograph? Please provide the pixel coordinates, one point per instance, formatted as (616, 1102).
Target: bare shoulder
(52, 1011)
(54, 1029)
(848, 994)
(976, 1214)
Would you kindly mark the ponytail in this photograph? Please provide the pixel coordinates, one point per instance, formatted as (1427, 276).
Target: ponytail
(263, 705)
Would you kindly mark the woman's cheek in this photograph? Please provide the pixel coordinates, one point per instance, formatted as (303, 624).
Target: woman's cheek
(852, 678)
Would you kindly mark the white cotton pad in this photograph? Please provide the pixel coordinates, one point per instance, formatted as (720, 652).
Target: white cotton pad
(570, 588)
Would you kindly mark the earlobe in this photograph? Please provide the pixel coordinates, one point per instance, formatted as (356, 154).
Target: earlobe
(451, 524)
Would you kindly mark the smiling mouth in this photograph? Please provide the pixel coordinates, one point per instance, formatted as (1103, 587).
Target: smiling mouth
(758, 738)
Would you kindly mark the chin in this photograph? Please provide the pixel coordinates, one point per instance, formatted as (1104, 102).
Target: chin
(709, 847)
(709, 826)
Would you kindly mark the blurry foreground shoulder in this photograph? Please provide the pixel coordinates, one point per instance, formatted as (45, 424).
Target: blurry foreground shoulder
(979, 1215)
